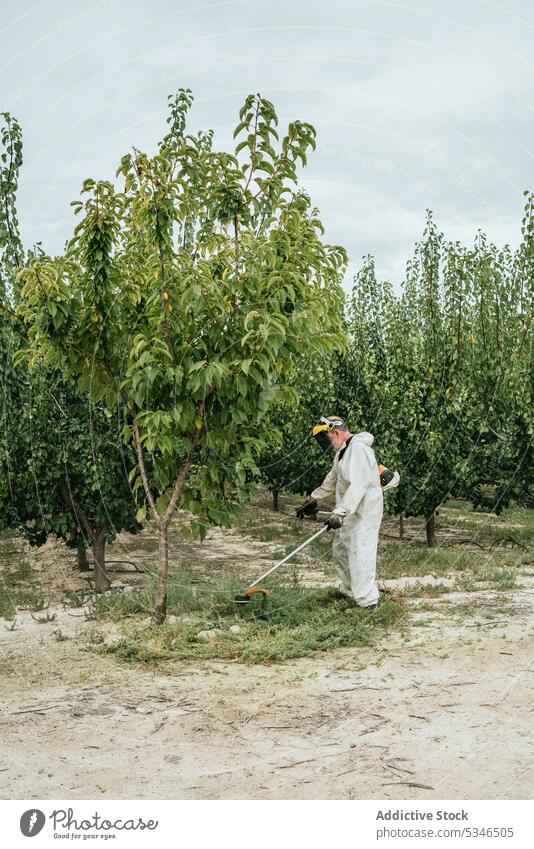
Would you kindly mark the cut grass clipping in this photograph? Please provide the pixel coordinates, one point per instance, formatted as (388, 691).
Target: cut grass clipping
(293, 622)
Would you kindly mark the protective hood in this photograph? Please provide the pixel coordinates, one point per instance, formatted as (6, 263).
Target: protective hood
(368, 438)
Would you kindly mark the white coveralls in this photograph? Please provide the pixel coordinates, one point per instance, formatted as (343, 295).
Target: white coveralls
(356, 483)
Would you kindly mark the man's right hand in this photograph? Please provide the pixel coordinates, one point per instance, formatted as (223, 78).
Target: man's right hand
(309, 508)
(334, 522)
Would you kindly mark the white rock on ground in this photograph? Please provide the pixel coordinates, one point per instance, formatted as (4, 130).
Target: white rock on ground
(212, 634)
(182, 619)
(235, 629)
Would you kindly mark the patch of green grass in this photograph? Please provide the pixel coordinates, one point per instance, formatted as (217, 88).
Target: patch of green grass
(457, 504)
(186, 594)
(18, 585)
(319, 549)
(515, 525)
(293, 622)
(467, 584)
(44, 620)
(280, 553)
(269, 532)
(74, 598)
(488, 610)
(13, 597)
(137, 649)
(322, 548)
(497, 577)
(425, 590)
(257, 522)
(521, 522)
(266, 525)
(500, 578)
(396, 561)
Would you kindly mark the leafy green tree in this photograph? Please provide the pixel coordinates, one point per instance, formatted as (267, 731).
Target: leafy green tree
(409, 383)
(63, 468)
(442, 373)
(431, 426)
(496, 358)
(68, 470)
(11, 259)
(185, 297)
(290, 460)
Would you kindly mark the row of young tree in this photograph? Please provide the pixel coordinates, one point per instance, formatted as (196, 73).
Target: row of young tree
(63, 464)
(449, 383)
(440, 373)
(180, 348)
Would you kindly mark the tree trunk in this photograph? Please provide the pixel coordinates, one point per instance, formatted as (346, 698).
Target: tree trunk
(275, 499)
(81, 556)
(401, 527)
(102, 581)
(160, 610)
(430, 530)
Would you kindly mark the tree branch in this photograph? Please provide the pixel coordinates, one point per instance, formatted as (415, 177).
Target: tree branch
(144, 476)
(180, 481)
(177, 491)
(6, 201)
(253, 152)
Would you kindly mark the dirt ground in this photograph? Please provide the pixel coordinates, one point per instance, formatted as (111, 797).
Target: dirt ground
(442, 710)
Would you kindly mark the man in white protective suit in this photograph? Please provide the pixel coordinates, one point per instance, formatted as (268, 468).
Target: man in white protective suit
(358, 484)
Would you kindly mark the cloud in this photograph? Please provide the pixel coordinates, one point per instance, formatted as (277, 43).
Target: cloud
(417, 105)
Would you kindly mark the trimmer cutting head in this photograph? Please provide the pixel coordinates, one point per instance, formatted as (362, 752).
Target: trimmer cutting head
(246, 596)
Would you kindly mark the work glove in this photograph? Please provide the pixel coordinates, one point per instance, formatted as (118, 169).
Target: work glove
(334, 522)
(309, 508)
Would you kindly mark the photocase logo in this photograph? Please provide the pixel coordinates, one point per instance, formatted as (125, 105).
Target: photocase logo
(31, 822)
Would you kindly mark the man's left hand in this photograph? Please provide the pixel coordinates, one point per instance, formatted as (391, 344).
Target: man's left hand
(334, 522)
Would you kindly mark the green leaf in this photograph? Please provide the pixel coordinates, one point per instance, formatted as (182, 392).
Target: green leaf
(162, 502)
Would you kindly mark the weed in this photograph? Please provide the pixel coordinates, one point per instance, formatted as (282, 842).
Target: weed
(488, 609)
(494, 578)
(426, 590)
(43, 620)
(280, 553)
(319, 549)
(269, 532)
(396, 561)
(18, 589)
(292, 623)
(130, 650)
(75, 598)
(500, 578)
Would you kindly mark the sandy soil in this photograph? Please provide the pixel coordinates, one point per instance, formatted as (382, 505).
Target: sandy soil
(442, 711)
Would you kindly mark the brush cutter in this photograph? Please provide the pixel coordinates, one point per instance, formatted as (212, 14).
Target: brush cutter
(246, 596)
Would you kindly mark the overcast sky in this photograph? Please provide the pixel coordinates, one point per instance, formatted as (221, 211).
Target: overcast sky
(423, 104)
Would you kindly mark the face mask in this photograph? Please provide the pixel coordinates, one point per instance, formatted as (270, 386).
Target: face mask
(324, 441)
(320, 432)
